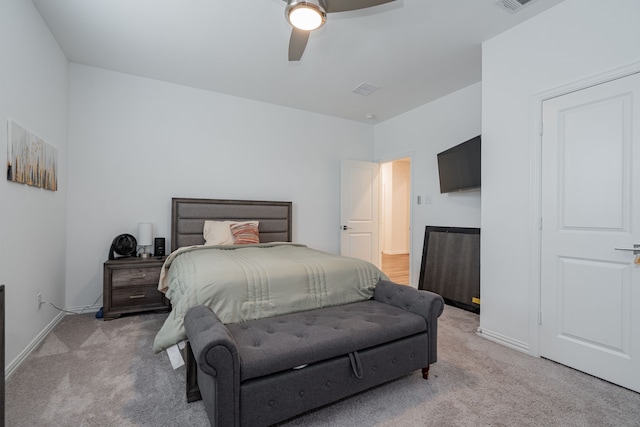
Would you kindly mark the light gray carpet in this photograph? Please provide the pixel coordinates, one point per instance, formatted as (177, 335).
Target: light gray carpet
(94, 373)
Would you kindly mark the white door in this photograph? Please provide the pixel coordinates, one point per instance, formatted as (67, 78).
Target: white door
(359, 210)
(590, 292)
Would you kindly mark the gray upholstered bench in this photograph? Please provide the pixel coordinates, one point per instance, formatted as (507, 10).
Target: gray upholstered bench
(267, 370)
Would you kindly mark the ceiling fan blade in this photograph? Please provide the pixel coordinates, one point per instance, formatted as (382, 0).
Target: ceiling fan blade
(297, 43)
(345, 5)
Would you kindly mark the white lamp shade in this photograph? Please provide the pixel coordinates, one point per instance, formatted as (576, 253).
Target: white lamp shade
(145, 234)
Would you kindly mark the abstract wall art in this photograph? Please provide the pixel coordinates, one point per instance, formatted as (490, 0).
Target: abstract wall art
(30, 160)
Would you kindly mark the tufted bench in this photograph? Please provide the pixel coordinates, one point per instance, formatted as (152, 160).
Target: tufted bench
(267, 370)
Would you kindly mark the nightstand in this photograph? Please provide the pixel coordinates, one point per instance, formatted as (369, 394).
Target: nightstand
(131, 286)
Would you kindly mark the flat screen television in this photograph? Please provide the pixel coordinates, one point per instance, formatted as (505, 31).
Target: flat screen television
(459, 167)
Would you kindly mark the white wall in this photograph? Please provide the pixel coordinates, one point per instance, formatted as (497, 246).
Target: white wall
(386, 206)
(134, 143)
(396, 183)
(423, 133)
(34, 94)
(572, 41)
(401, 204)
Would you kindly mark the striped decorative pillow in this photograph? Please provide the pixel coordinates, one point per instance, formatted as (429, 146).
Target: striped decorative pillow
(245, 233)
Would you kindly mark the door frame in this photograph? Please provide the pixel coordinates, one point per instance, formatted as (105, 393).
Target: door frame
(535, 285)
(393, 158)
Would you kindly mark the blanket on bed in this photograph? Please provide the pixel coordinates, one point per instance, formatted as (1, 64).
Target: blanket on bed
(247, 282)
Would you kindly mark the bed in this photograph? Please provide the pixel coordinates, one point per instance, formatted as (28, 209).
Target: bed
(249, 281)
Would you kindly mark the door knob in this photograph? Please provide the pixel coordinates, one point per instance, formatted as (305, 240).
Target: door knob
(344, 227)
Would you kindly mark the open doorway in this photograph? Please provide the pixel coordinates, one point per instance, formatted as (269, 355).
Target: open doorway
(395, 198)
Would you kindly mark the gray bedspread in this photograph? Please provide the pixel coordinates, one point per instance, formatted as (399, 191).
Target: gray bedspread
(248, 282)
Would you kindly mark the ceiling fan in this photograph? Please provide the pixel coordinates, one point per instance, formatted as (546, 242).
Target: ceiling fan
(308, 15)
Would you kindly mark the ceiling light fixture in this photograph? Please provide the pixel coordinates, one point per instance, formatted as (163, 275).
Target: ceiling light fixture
(306, 15)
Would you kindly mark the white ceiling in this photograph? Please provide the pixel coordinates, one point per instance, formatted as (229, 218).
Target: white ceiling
(415, 50)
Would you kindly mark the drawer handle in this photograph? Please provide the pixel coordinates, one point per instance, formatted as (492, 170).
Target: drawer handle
(137, 296)
(144, 275)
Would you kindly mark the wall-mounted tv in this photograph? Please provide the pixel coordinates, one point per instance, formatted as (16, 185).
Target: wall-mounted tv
(459, 167)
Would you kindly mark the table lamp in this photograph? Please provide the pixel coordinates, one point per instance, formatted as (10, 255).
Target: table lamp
(145, 237)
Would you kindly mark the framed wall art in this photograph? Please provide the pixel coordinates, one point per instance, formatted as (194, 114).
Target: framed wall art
(30, 160)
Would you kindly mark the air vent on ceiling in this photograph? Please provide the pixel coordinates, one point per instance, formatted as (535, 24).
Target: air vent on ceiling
(365, 89)
(513, 6)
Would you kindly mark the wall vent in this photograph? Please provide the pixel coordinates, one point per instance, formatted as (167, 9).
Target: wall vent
(513, 6)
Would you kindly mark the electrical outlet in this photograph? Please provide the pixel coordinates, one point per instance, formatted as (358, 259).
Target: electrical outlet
(39, 301)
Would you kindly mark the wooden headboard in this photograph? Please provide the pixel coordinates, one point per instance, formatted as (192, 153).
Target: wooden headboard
(188, 217)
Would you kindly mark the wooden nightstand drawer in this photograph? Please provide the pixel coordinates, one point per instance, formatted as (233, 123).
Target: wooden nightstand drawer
(142, 295)
(131, 286)
(135, 276)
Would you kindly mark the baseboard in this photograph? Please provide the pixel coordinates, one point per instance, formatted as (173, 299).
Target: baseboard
(11, 367)
(504, 340)
(82, 309)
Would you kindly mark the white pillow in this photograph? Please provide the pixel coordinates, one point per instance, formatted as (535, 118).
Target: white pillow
(219, 232)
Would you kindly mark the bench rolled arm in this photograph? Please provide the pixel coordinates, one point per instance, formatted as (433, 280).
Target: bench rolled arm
(424, 303)
(216, 354)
